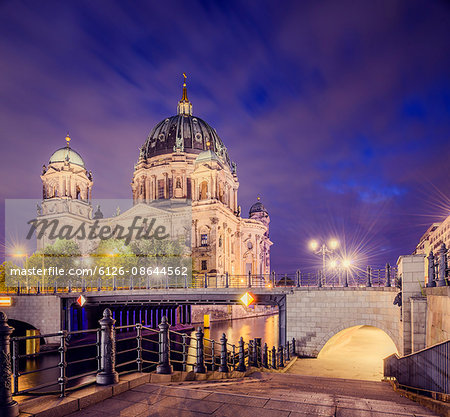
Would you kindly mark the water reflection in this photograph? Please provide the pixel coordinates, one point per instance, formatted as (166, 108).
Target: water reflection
(265, 327)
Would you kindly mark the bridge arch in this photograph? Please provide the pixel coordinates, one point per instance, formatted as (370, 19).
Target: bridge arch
(356, 323)
(315, 315)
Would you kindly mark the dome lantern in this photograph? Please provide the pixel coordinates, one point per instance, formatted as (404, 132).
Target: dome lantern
(184, 107)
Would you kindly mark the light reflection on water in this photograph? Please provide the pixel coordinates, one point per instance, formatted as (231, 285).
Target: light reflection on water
(265, 327)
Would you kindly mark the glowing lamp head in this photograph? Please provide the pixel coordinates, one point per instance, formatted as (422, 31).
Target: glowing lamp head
(346, 263)
(247, 299)
(313, 244)
(333, 244)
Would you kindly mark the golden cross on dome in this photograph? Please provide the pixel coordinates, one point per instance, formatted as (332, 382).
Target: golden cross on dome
(185, 76)
(68, 139)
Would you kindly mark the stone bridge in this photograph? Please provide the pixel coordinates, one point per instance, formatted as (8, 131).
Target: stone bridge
(311, 315)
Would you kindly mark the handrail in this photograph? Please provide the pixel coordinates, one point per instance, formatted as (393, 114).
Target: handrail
(427, 369)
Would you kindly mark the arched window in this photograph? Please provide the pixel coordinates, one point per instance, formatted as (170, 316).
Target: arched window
(203, 190)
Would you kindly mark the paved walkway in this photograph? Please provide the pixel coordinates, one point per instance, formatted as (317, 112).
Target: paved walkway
(261, 395)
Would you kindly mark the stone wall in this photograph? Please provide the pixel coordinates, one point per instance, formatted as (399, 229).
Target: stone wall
(315, 315)
(41, 312)
(229, 312)
(438, 315)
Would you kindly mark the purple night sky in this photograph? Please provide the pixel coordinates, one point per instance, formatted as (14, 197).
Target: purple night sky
(336, 113)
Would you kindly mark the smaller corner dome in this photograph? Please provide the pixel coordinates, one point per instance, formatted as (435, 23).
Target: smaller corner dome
(67, 154)
(205, 156)
(258, 207)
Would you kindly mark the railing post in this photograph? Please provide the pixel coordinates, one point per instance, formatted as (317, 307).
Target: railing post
(8, 407)
(442, 266)
(18, 287)
(70, 287)
(369, 276)
(223, 354)
(226, 280)
(55, 288)
(213, 353)
(319, 279)
(99, 285)
(293, 346)
(288, 356)
(388, 275)
(298, 278)
(184, 352)
(250, 353)
(241, 365)
(206, 280)
(431, 270)
(83, 285)
(281, 359)
(199, 367)
(234, 358)
(285, 279)
(114, 283)
(265, 363)
(139, 346)
(62, 380)
(274, 358)
(273, 279)
(107, 374)
(131, 282)
(258, 351)
(249, 279)
(185, 281)
(164, 366)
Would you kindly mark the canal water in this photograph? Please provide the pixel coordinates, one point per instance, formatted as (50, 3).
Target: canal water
(265, 327)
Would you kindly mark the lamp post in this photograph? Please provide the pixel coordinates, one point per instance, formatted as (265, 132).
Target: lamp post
(323, 250)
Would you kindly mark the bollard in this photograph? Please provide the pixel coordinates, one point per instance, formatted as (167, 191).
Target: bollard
(107, 374)
(265, 363)
(388, 275)
(281, 359)
(223, 354)
(8, 407)
(369, 276)
(431, 270)
(298, 278)
(274, 358)
(293, 346)
(442, 266)
(199, 367)
(164, 366)
(241, 365)
(288, 356)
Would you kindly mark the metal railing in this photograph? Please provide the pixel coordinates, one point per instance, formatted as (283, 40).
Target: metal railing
(370, 277)
(99, 356)
(425, 370)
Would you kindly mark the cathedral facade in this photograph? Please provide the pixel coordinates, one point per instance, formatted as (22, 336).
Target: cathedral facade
(182, 160)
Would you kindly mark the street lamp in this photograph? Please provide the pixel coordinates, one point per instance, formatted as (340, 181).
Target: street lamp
(323, 250)
(21, 253)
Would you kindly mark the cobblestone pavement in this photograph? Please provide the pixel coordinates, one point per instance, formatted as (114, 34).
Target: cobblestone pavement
(261, 395)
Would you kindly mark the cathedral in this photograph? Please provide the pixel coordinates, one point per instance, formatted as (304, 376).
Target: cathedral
(183, 160)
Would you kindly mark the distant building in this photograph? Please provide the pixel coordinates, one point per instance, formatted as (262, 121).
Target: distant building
(183, 159)
(437, 234)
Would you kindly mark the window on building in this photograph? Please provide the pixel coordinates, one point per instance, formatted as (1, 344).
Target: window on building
(188, 190)
(160, 189)
(203, 190)
(170, 187)
(204, 239)
(204, 265)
